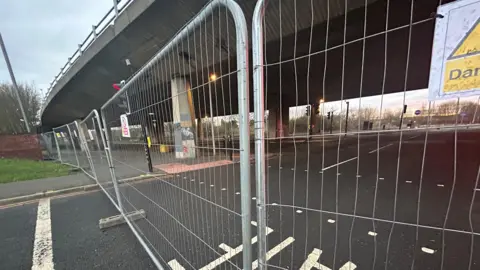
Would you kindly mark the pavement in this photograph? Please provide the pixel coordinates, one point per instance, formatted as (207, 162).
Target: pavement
(21, 188)
(345, 204)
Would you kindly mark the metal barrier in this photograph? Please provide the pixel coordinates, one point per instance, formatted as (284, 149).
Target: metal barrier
(66, 145)
(390, 193)
(195, 192)
(49, 144)
(93, 141)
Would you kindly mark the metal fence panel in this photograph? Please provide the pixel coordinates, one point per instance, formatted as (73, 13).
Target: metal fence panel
(93, 146)
(66, 145)
(49, 145)
(359, 184)
(194, 186)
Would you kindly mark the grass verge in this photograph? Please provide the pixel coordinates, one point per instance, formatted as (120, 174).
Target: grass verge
(14, 170)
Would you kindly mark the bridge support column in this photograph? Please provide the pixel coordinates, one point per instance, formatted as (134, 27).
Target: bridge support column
(200, 129)
(183, 118)
(277, 122)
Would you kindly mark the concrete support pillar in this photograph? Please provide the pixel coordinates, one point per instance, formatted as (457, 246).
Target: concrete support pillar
(183, 118)
(200, 129)
(277, 123)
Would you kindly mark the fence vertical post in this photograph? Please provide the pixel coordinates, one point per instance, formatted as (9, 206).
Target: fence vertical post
(73, 145)
(259, 117)
(58, 146)
(244, 128)
(110, 161)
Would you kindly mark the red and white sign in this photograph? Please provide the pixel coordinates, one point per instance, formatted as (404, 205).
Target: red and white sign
(125, 127)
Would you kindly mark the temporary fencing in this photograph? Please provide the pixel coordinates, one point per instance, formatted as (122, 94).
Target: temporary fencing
(195, 77)
(355, 196)
(351, 186)
(49, 145)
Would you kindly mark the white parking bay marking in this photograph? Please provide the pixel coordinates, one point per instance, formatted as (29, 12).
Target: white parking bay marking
(275, 250)
(175, 265)
(312, 262)
(231, 252)
(42, 246)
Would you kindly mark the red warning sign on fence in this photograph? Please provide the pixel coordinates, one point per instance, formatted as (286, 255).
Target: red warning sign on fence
(125, 127)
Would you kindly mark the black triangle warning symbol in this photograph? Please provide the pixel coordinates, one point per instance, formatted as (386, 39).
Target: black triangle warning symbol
(469, 45)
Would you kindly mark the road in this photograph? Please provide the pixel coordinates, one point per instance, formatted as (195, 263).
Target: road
(351, 205)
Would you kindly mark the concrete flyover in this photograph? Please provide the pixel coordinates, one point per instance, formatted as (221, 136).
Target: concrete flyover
(145, 26)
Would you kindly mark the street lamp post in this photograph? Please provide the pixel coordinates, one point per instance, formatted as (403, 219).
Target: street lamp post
(346, 118)
(14, 82)
(321, 101)
(213, 77)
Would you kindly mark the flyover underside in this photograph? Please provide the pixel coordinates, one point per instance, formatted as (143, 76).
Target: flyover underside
(312, 75)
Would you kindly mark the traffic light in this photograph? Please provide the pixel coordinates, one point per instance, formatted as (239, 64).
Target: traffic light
(328, 115)
(307, 111)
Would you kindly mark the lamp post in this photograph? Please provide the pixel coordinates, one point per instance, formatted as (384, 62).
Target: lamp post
(212, 78)
(14, 82)
(320, 108)
(346, 118)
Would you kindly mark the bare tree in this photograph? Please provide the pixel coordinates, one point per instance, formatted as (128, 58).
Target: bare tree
(11, 120)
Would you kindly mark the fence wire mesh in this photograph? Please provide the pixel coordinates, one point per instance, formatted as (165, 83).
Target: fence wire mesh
(382, 187)
(169, 127)
(49, 145)
(66, 146)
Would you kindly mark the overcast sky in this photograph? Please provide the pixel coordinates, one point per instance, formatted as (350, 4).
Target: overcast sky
(40, 35)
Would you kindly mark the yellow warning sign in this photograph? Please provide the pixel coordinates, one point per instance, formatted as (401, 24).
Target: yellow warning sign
(462, 69)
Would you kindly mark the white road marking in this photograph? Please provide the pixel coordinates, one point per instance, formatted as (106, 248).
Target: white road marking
(175, 265)
(193, 180)
(254, 198)
(372, 233)
(378, 149)
(238, 193)
(201, 183)
(428, 250)
(348, 266)
(42, 246)
(331, 221)
(477, 189)
(409, 182)
(211, 185)
(335, 165)
(299, 211)
(268, 229)
(312, 262)
(231, 252)
(274, 203)
(184, 177)
(275, 250)
(440, 185)
(381, 178)
(224, 189)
